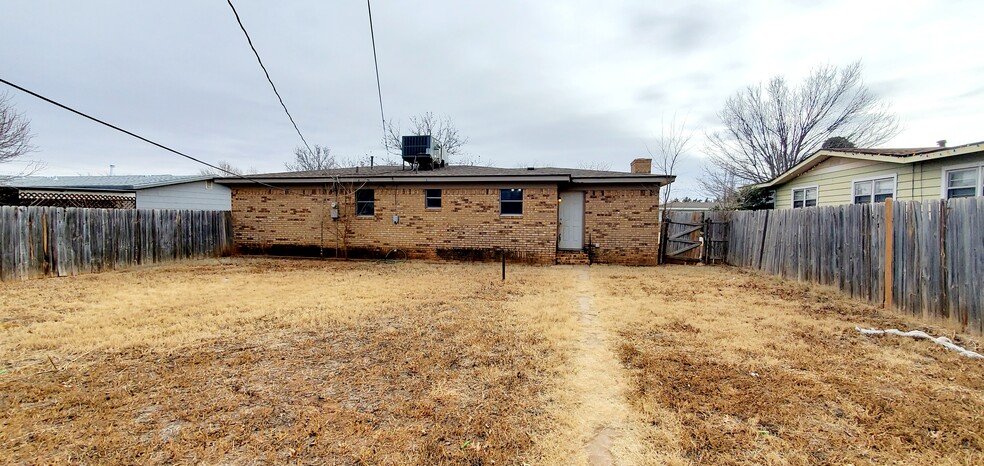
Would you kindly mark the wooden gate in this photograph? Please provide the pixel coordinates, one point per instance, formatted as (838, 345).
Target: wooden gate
(692, 237)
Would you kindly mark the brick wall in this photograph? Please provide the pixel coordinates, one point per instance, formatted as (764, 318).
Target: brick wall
(624, 223)
(467, 225)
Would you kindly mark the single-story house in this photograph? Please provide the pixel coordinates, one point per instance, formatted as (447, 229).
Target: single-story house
(845, 176)
(193, 192)
(538, 215)
(688, 207)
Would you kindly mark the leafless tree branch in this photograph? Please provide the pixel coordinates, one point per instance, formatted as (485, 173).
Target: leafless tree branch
(672, 143)
(442, 129)
(228, 167)
(15, 137)
(319, 158)
(770, 128)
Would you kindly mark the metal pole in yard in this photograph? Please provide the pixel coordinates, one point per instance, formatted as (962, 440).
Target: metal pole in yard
(503, 265)
(889, 252)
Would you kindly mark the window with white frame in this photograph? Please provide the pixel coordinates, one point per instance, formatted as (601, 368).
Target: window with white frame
(804, 197)
(877, 190)
(963, 182)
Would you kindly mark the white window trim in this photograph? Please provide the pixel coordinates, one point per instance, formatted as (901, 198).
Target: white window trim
(792, 195)
(949, 168)
(895, 185)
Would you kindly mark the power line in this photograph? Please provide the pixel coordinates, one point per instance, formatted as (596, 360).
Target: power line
(260, 61)
(117, 128)
(379, 89)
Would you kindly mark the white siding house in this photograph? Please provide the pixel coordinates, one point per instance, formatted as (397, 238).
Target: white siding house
(196, 195)
(142, 192)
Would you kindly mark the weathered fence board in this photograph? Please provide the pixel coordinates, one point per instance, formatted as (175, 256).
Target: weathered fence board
(51, 241)
(938, 259)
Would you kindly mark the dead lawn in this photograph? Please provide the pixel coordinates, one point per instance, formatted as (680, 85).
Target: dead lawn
(731, 367)
(293, 361)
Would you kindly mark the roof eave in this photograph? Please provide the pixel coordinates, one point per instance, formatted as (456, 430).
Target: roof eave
(661, 180)
(402, 179)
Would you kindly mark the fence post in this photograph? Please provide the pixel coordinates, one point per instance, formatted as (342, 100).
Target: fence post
(661, 250)
(765, 229)
(889, 253)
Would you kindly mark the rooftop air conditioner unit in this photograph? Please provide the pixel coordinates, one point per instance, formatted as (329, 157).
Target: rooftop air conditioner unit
(422, 152)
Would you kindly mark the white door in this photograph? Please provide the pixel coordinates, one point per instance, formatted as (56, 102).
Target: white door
(571, 220)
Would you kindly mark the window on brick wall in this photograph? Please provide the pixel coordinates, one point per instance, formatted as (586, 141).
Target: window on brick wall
(511, 201)
(432, 198)
(365, 202)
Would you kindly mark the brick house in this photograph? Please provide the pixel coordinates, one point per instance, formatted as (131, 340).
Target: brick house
(536, 215)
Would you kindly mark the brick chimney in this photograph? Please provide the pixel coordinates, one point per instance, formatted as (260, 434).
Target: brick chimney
(642, 166)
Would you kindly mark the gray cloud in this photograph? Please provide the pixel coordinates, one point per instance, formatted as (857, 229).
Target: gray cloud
(557, 83)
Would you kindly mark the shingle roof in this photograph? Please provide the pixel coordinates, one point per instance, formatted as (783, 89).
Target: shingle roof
(903, 152)
(118, 182)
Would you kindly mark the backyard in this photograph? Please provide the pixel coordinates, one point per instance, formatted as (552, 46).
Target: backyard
(249, 360)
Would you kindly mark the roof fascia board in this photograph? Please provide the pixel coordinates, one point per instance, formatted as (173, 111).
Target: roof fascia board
(158, 184)
(406, 179)
(662, 180)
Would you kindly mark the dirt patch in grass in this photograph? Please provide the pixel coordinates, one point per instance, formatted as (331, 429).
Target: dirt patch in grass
(753, 370)
(393, 374)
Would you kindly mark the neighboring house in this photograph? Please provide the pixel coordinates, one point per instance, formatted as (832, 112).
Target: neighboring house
(845, 176)
(688, 207)
(540, 215)
(119, 192)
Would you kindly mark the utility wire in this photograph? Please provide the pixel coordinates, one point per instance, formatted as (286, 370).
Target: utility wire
(379, 89)
(260, 61)
(117, 128)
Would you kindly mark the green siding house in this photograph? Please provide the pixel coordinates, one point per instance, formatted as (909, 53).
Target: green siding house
(855, 176)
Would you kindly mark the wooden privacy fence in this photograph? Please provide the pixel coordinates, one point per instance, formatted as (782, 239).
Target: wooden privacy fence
(54, 241)
(694, 237)
(931, 253)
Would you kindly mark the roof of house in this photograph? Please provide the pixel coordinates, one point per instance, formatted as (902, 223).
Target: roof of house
(905, 155)
(453, 173)
(692, 205)
(104, 183)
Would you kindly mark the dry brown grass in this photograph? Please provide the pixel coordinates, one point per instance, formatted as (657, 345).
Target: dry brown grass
(280, 361)
(736, 368)
(292, 361)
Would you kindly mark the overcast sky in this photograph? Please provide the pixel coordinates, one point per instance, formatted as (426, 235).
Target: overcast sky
(529, 83)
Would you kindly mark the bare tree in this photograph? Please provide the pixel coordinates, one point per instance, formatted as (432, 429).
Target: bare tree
(227, 168)
(720, 186)
(770, 128)
(442, 129)
(599, 165)
(319, 158)
(672, 143)
(15, 136)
